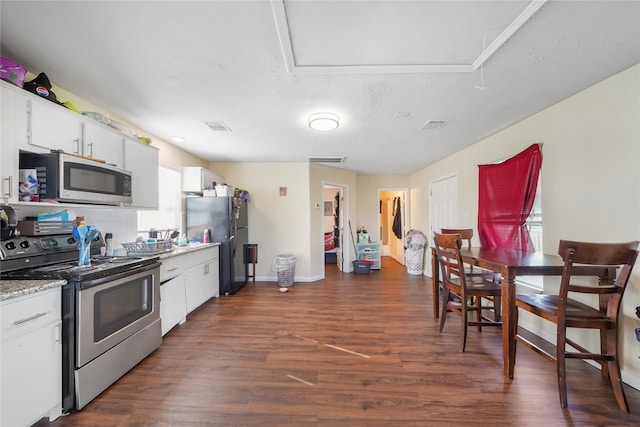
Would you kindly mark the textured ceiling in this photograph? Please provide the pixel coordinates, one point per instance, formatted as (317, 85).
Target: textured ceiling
(385, 67)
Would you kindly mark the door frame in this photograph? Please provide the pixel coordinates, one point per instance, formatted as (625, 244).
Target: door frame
(448, 222)
(344, 256)
(406, 216)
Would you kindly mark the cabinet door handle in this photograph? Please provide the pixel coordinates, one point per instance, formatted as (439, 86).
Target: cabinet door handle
(169, 270)
(8, 190)
(58, 332)
(90, 145)
(28, 319)
(77, 147)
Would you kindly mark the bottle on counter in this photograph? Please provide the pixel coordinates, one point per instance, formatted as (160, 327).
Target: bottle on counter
(206, 236)
(108, 241)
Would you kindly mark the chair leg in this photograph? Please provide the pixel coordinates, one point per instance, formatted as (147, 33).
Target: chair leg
(445, 304)
(610, 348)
(497, 309)
(478, 304)
(561, 365)
(464, 316)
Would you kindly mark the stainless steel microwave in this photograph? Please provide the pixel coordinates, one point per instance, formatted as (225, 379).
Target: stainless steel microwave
(67, 178)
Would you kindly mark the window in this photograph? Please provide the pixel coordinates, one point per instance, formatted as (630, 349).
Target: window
(534, 222)
(168, 215)
(534, 225)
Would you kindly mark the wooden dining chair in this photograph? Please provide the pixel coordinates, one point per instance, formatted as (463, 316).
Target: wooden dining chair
(470, 270)
(567, 313)
(467, 290)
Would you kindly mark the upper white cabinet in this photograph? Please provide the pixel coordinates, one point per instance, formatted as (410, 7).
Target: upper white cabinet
(102, 143)
(31, 123)
(142, 160)
(54, 127)
(9, 158)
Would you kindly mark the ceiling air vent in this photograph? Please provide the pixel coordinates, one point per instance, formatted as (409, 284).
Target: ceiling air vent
(434, 125)
(218, 126)
(326, 159)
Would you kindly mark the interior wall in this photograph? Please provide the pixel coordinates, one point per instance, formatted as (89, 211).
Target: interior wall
(277, 224)
(590, 179)
(319, 176)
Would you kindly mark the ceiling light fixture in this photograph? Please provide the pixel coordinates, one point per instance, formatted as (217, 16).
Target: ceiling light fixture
(324, 121)
(177, 139)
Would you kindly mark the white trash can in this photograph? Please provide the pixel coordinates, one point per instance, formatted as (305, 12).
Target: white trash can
(285, 266)
(414, 260)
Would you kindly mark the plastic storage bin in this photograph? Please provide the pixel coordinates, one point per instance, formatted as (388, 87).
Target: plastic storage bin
(362, 267)
(285, 266)
(12, 72)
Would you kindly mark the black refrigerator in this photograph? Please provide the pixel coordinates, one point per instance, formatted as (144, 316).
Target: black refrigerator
(226, 220)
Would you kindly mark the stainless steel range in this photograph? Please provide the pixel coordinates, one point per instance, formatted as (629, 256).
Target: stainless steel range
(110, 310)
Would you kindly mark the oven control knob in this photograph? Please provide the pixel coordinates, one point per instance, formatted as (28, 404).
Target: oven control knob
(71, 240)
(24, 244)
(11, 246)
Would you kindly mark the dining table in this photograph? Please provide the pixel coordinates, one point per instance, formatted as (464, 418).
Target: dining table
(509, 264)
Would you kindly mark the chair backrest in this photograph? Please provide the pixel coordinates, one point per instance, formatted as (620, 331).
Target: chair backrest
(447, 248)
(622, 255)
(465, 233)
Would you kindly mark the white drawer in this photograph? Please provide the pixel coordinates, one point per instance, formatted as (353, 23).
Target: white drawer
(23, 314)
(201, 256)
(171, 267)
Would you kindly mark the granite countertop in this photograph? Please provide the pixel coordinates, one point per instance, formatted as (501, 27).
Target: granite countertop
(17, 288)
(180, 250)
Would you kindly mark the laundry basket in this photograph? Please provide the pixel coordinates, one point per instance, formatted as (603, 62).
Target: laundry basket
(285, 266)
(414, 245)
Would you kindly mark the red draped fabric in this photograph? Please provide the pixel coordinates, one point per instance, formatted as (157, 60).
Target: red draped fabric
(505, 198)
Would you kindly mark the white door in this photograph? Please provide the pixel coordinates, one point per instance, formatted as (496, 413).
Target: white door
(444, 209)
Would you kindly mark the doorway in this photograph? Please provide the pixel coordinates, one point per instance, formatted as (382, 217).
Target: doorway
(333, 225)
(393, 220)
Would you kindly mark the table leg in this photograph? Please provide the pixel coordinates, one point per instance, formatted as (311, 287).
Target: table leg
(509, 325)
(435, 283)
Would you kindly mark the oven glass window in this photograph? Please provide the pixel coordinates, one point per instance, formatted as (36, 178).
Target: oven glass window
(120, 306)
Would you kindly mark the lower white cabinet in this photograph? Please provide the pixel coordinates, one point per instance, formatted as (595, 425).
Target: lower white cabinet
(31, 359)
(202, 281)
(173, 303)
(187, 281)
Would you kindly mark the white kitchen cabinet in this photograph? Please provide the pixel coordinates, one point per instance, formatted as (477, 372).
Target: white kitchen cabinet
(143, 162)
(201, 284)
(212, 278)
(54, 127)
(31, 359)
(187, 281)
(173, 303)
(14, 125)
(102, 143)
(194, 286)
(9, 157)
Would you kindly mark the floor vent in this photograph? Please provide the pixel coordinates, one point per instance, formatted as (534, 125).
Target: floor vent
(326, 159)
(218, 126)
(434, 125)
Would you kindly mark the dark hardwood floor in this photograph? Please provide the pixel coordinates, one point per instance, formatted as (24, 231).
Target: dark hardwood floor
(351, 350)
